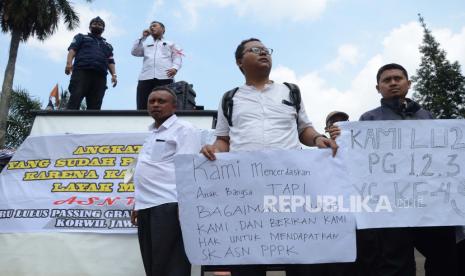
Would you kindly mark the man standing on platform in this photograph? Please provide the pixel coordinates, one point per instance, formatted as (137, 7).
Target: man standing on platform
(93, 57)
(162, 61)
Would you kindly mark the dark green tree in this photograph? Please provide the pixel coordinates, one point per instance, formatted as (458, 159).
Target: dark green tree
(439, 85)
(20, 117)
(23, 19)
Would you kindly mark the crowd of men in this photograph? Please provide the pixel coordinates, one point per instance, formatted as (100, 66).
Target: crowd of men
(258, 115)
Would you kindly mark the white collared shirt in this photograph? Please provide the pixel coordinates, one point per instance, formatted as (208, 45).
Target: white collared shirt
(154, 178)
(260, 120)
(159, 56)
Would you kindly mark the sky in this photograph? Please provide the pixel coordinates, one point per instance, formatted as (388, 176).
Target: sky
(331, 48)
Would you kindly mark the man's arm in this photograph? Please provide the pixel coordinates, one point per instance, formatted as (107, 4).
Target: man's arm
(69, 61)
(310, 137)
(176, 55)
(72, 50)
(176, 58)
(221, 145)
(112, 69)
(138, 47)
(134, 220)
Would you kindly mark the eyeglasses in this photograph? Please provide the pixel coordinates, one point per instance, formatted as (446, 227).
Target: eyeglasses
(259, 50)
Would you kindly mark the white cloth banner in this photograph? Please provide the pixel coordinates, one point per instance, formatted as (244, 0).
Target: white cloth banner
(418, 166)
(260, 207)
(70, 183)
(73, 183)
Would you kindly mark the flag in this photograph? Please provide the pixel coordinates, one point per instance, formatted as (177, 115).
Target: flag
(50, 105)
(54, 94)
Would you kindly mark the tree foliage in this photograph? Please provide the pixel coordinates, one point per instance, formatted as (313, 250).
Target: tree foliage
(20, 117)
(439, 85)
(38, 18)
(23, 19)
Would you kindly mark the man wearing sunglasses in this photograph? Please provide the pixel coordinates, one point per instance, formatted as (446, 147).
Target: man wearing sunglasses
(261, 119)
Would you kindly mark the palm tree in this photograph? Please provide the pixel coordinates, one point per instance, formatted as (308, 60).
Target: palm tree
(23, 19)
(20, 117)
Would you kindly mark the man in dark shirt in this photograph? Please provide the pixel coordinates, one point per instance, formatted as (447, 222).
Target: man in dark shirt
(93, 56)
(390, 251)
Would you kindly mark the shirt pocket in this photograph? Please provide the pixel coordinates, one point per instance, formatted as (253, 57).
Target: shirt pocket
(282, 115)
(170, 150)
(165, 51)
(157, 152)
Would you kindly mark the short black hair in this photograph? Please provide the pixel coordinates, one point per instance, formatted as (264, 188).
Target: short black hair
(240, 48)
(158, 22)
(167, 89)
(390, 66)
(97, 19)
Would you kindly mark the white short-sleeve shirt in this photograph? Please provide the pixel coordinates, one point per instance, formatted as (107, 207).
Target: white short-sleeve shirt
(260, 120)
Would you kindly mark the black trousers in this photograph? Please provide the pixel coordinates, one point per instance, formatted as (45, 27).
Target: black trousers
(160, 241)
(144, 87)
(330, 269)
(88, 84)
(390, 251)
(461, 258)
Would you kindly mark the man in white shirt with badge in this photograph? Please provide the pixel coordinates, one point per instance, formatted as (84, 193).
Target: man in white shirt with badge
(162, 61)
(156, 208)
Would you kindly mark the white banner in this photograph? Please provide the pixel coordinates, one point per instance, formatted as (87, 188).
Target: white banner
(418, 166)
(261, 207)
(69, 183)
(73, 183)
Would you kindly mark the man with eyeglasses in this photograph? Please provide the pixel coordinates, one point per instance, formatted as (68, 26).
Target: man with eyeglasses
(261, 119)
